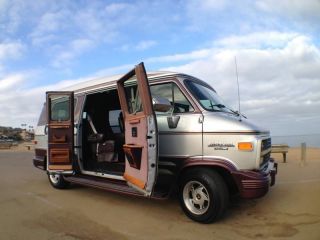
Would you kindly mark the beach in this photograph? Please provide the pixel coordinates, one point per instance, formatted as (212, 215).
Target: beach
(32, 209)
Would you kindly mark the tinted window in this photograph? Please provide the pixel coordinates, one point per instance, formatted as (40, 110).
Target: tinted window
(171, 92)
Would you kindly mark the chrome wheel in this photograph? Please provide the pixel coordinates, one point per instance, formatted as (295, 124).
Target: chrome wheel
(196, 197)
(54, 178)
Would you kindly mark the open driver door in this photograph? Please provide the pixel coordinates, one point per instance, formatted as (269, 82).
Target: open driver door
(141, 133)
(60, 119)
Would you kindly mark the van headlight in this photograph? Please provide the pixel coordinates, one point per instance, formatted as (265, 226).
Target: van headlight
(245, 146)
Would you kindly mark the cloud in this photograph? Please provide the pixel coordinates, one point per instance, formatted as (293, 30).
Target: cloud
(267, 39)
(66, 55)
(140, 46)
(197, 54)
(75, 48)
(207, 5)
(305, 13)
(65, 32)
(117, 8)
(21, 104)
(144, 45)
(199, 13)
(10, 82)
(276, 83)
(278, 68)
(293, 8)
(48, 27)
(11, 50)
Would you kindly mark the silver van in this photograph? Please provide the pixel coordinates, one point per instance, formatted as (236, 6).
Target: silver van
(154, 135)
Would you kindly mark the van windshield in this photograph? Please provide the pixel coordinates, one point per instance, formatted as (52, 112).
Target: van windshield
(207, 97)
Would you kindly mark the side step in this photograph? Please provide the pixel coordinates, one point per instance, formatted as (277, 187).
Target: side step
(110, 185)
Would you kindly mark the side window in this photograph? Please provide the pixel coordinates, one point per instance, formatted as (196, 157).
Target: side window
(114, 120)
(43, 116)
(172, 92)
(60, 108)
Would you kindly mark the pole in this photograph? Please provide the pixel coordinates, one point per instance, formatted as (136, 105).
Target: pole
(303, 153)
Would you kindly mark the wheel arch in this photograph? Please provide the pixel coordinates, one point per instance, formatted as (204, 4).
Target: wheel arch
(222, 167)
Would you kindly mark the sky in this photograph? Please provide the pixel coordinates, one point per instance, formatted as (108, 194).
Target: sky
(48, 45)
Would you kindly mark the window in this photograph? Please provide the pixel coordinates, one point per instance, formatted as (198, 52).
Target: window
(43, 116)
(114, 120)
(171, 92)
(133, 97)
(207, 97)
(60, 108)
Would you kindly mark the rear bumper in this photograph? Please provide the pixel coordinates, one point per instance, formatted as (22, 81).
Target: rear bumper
(39, 160)
(39, 163)
(255, 184)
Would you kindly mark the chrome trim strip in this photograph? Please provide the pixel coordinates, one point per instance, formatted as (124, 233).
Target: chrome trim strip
(104, 175)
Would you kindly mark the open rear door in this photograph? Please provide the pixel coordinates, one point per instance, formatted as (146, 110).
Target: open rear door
(60, 132)
(141, 134)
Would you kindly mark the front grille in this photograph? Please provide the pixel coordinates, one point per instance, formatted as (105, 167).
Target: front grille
(265, 154)
(265, 144)
(265, 158)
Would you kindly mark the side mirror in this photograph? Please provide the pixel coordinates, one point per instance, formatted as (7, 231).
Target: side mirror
(161, 104)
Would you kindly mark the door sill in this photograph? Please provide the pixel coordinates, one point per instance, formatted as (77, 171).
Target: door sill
(103, 175)
(117, 186)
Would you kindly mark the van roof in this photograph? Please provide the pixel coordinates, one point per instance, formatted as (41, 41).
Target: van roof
(101, 82)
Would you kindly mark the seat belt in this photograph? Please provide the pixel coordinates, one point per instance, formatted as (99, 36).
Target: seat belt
(91, 125)
(94, 131)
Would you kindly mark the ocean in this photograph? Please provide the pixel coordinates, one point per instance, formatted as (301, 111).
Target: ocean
(312, 140)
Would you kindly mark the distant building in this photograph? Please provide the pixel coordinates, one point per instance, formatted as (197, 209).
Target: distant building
(26, 135)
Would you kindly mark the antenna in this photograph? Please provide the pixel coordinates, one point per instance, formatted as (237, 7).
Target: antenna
(235, 61)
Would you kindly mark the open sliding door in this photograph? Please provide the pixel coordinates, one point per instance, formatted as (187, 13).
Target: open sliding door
(60, 117)
(141, 134)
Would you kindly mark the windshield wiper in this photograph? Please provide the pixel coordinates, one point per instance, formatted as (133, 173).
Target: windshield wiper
(223, 106)
(217, 105)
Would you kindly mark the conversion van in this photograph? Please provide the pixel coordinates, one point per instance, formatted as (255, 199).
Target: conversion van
(153, 135)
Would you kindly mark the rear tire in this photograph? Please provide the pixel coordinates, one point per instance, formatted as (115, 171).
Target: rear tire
(203, 195)
(58, 181)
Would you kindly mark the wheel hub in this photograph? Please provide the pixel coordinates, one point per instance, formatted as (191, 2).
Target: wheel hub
(54, 178)
(196, 197)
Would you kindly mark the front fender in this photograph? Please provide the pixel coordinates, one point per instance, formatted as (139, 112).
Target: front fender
(210, 162)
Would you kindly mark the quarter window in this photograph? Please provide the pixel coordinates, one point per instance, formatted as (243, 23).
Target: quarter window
(133, 97)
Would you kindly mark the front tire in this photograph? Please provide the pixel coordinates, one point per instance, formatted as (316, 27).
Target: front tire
(58, 181)
(203, 195)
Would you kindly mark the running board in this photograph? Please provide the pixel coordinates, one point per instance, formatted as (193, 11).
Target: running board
(110, 185)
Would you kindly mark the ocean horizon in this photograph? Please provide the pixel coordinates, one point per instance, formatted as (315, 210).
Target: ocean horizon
(312, 140)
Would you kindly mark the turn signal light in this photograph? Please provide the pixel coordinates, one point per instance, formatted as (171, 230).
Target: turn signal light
(245, 146)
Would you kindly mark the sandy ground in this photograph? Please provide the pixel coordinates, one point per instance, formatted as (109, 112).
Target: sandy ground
(31, 209)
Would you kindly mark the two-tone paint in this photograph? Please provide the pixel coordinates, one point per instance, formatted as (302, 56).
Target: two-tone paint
(201, 138)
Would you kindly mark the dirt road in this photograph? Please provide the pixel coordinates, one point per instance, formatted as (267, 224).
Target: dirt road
(31, 209)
